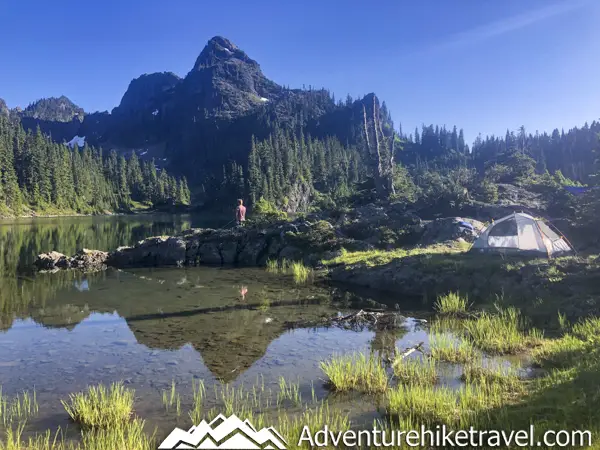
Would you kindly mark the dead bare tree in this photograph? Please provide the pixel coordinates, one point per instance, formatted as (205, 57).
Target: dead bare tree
(381, 153)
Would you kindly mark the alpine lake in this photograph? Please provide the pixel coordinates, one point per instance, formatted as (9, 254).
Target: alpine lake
(169, 334)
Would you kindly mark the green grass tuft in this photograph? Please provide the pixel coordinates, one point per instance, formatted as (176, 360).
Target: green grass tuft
(19, 408)
(502, 332)
(451, 304)
(504, 376)
(101, 407)
(126, 436)
(356, 372)
(587, 330)
(301, 272)
(415, 370)
(454, 349)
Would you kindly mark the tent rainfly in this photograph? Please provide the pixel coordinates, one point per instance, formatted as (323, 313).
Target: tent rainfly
(521, 233)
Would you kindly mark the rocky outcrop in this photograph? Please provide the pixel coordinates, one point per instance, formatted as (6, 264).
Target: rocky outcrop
(251, 246)
(52, 260)
(87, 260)
(154, 251)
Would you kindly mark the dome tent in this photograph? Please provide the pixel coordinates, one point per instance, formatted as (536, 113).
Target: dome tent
(521, 233)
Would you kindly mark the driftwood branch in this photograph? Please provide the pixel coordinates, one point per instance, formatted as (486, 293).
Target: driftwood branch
(365, 318)
(410, 350)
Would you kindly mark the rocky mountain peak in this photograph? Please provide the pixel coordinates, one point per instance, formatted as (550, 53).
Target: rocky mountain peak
(221, 50)
(147, 91)
(60, 109)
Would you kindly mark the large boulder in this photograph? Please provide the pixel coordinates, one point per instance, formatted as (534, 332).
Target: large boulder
(51, 260)
(154, 251)
(209, 253)
(253, 251)
(89, 260)
(451, 229)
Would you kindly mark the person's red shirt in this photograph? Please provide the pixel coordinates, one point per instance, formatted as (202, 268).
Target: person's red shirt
(240, 213)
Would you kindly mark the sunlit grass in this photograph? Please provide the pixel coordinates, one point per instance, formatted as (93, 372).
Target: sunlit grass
(301, 272)
(276, 266)
(454, 349)
(495, 374)
(587, 330)
(451, 304)
(356, 372)
(502, 332)
(415, 370)
(198, 395)
(125, 436)
(380, 257)
(288, 392)
(171, 398)
(290, 427)
(101, 406)
(431, 405)
(19, 408)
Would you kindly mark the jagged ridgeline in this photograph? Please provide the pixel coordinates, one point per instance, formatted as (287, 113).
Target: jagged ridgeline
(235, 133)
(44, 176)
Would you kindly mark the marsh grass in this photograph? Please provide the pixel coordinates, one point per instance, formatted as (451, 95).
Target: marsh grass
(126, 436)
(454, 349)
(495, 374)
(171, 398)
(587, 330)
(276, 266)
(430, 405)
(288, 391)
(451, 304)
(300, 272)
(19, 408)
(502, 332)
(356, 372)
(101, 406)
(415, 370)
(130, 436)
(198, 395)
(315, 419)
(568, 351)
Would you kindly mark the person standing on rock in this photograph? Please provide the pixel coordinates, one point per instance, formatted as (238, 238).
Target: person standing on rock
(240, 213)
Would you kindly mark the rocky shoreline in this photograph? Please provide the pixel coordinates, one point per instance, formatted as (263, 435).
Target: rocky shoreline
(308, 240)
(369, 247)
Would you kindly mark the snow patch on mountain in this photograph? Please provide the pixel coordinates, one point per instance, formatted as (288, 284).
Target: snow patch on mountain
(79, 141)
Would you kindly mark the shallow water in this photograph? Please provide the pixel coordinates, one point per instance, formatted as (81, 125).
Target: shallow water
(62, 332)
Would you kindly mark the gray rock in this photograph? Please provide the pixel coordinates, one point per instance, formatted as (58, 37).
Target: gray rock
(51, 261)
(290, 253)
(229, 252)
(154, 251)
(89, 260)
(252, 250)
(209, 253)
(450, 229)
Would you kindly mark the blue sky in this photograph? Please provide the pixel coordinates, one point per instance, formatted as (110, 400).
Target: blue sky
(484, 65)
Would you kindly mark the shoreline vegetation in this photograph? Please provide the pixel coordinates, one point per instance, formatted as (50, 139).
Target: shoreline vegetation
(487, 393)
